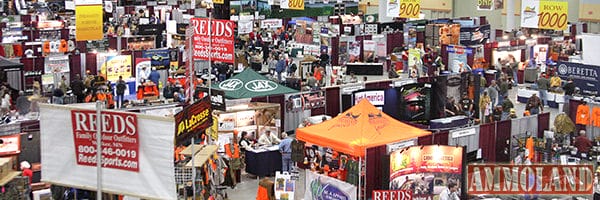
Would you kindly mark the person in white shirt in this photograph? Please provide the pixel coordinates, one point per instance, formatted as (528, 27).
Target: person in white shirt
(246, 142)
(268, 139)
(450, 193)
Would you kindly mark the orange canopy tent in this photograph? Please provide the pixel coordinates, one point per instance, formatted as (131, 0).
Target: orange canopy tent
(360, 127)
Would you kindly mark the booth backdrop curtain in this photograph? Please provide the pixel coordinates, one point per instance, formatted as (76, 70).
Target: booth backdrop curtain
(543, 124)
(332, 99)
(502, 135)
(471, 141)
(376, 170)
(75, 65)
(391, 103)
(487, 142)
(90, 63)
(394, 40)
(522, 125)
(573, 109)
(335, 51)
(440, 138)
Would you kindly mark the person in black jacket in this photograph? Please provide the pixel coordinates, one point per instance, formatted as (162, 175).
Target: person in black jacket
(121, 86)
(78, 88)
(168, 90)
(569, 89)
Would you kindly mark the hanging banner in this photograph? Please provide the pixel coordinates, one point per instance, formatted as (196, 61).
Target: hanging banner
(245, 27)
(89, 22)
(134, 153)
(410, 8)
(120, 146)
(159, 58)
(392, 8)
(218, 1)
(474, 35)
(325, 187)
(193, 119)
(217, 98)
(588, 10)
(457, 58)
(56, 64)
(271, 23)
(553, 15)
(292, 4)
(544, 14)
(11, 144)
(115, 66)
(485, 5)
(222, 45)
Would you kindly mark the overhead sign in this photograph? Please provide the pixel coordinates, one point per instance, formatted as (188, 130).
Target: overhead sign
(377, 97)
(213, 40)
(271, 23)
(400, 145)
(485, 4)
(159, 58)
(544, 14)
(193, 119)
(585, 77)
(217, 98)
(410, 8)
(89, 24)
(292, 4)
(134, 151)
(474, 35)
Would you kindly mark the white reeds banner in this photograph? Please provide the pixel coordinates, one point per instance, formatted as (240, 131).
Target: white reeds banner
(135, 152)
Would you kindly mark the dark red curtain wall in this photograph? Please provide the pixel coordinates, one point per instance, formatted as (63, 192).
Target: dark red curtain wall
(377, 170)
(502, 135)
(332, 100)
(440, 138)
(487, 141)
(543, 124)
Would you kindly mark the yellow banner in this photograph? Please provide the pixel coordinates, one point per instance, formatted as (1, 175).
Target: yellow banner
(116, 66)
(410, 8)
(88, 23)
(553, 15)
(219, 1)
(296, 4)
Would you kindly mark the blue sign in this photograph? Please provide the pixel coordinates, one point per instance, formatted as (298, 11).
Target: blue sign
(584, 76)
(159, 58)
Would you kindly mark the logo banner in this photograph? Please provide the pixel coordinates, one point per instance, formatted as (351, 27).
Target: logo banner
(221, 48)
(217, 98)
(474, 35)
(115, 66)
(544, 14)
(159, 58)
(120, 139)
(584, 76)
(485, 5)
(193, 119)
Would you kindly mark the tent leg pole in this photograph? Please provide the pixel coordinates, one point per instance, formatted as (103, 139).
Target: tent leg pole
(98, 150)
(359, 178)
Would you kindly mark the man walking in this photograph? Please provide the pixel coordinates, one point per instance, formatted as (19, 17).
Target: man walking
(285, 147)
(121, 86)
(543, 84)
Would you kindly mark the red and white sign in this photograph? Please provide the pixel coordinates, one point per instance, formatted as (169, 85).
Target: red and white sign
(392, 195)
(11, 145)
(213, 39)
(377, 98)
(120, 139)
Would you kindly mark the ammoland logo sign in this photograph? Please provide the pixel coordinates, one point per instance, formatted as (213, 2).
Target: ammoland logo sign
(231, 84)
(261, 85)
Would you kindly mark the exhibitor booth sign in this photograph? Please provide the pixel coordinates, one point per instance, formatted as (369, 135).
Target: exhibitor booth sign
(136, 150)
(584, 76)
(213, 39)
(327, 188)
(120, 147)
(193, 119)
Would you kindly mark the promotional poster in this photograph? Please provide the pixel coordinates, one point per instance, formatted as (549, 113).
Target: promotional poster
(159, 58)
(426, 170)
(115, 66)
(56, 64)
(474, 35)
(193, 119)
(415, 102)
(457, 58)
(142, 69)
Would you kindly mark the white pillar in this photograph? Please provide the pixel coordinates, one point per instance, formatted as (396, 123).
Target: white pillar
(510, 15)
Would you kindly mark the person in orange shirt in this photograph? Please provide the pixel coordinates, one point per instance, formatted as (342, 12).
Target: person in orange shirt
(596, 116)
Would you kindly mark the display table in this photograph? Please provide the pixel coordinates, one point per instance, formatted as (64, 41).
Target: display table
(364, 68)
(523, 95)
(263, 162)
(449, 122)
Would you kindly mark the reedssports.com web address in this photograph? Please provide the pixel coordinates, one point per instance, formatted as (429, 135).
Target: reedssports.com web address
(108, 162)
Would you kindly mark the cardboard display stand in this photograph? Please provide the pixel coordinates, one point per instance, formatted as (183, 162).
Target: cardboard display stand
(285, 186)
